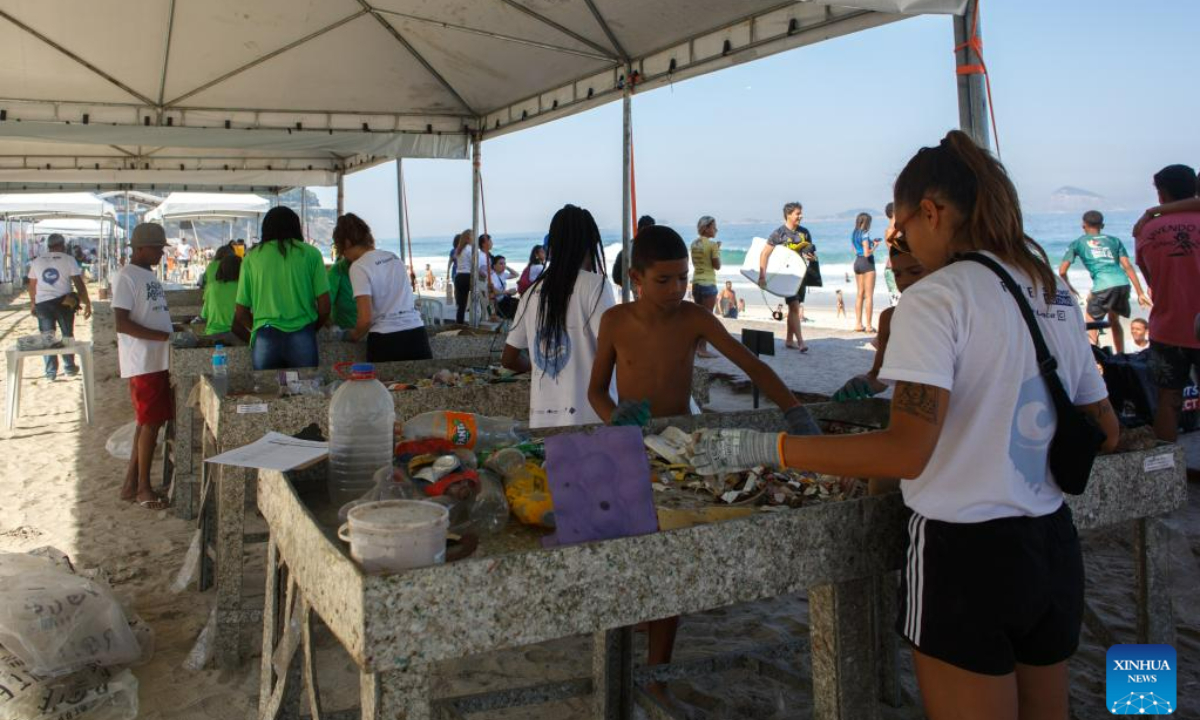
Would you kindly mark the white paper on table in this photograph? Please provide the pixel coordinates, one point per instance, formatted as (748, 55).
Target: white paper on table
(274, 451)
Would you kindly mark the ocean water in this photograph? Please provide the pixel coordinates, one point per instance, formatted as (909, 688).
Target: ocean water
(1054, 231)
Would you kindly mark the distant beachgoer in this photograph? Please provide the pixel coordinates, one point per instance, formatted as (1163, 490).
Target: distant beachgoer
(1139, 331)
(183, 254)
(795, 237)
(557, 323)
(729, 302)
(864, 272)
(463, 263)
(220, 298)
(841, 303)
(283, 295)
(387, 309)
(1168, 253)
(706, 261)
(1106, 261)
(502, 296)
(52, 301)
(143, 325)
(653, 341)
(847, 278)
(533, 269)
(429, 279)
(908, 270)
(344, 308)
(742, 306)
(618, 268)
(991, 598)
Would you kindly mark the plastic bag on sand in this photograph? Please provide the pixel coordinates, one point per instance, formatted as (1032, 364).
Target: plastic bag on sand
(191, 563)
(91, 694)
(203, 650)
(120, 443)
(57, 622)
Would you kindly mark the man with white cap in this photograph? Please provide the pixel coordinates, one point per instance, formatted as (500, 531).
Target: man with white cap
(143, 349)
(51, 276)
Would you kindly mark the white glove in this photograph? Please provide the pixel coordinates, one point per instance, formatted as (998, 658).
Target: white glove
(724, 451)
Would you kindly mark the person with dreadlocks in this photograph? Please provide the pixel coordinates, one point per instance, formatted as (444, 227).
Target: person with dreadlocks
(283, 295)
(557, 322)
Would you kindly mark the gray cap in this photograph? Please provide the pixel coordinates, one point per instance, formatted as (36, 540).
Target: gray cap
(148, 235)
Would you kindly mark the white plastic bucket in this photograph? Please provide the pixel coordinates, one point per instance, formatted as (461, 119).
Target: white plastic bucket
(396, 535)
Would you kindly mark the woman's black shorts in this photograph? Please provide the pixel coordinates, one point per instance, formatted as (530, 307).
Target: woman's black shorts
(864, 264)
(986, 596)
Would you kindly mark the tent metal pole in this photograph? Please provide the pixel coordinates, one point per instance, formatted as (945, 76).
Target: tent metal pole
(304, 212)
(476, 158)
(341, 194)
(626, 190)
(972, 94)
(400, 207)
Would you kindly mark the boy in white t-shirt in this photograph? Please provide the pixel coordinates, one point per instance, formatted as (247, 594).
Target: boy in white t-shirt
(143, 347)
(51, 277)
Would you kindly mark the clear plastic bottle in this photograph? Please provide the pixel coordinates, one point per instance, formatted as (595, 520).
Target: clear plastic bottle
(477, 432)
(361, 419)
(220, 370)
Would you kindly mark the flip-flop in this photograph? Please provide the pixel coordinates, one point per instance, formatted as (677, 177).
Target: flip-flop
(155, 504)
(803, 349)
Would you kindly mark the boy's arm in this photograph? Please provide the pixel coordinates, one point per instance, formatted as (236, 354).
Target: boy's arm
(127, 326)
(759, 372)
(362, 304)
(1142, 298)
(32, 294)
(1062, 273)
(514, 360)
(81, 289)
(1178, 206)
(602, 370)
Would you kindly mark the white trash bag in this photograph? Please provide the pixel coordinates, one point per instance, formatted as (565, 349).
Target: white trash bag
(120, 443)
(57, 622)
(91, 694)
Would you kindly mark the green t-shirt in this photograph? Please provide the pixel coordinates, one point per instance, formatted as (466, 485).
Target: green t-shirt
(341, 295)
(704, 251)
(282, 291)
(219, 301)
(1101, 255)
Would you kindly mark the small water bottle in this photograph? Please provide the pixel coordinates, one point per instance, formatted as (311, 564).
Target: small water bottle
(220, 370)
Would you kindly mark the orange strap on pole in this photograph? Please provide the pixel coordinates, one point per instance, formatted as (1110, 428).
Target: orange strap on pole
(975, 44)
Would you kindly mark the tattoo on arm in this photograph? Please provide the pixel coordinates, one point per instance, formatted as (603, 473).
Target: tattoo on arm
(920, 401)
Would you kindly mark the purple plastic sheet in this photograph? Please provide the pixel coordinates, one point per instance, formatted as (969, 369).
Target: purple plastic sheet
(600, 481)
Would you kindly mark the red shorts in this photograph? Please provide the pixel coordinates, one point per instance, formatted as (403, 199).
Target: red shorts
(153, 401)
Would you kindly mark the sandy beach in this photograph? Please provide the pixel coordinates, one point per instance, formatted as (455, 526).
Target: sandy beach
(61, 490)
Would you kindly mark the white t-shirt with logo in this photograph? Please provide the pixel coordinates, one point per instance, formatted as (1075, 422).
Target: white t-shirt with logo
(381, 275)
(137, 290)
(183, 252)
(959, 329)
(53, 272)
(560, 377)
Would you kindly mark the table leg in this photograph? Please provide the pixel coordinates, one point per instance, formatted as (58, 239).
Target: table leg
(845, 680)
(1152, 566)
(231, 517)
(612, 674)
(89, 388)
(397, 695)
(887, 641)
(266, 682)
(13, 363)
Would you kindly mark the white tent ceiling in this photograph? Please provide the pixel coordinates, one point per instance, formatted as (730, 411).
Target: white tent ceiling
(77, 227)
(194, 206)
(55, 205)
(261, 93)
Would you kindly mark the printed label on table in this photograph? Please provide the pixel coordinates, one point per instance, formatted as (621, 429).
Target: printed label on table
(1159, 462)
(252, 409)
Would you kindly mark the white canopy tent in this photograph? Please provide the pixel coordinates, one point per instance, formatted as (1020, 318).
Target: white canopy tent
(197, 206)
(29, 216)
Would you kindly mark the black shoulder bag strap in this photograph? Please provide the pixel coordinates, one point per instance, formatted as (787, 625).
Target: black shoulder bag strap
(1077, 438)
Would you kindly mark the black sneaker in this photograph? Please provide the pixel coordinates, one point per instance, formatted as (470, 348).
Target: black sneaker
(71, 372)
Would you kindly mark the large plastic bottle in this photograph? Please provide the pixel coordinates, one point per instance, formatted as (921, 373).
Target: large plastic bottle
(468, 430)
(361, 421)
(220, 370)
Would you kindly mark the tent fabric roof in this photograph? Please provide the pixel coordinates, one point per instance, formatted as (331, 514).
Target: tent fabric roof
(55, 205)
(107, 89)
(183, 206)
(77, 227)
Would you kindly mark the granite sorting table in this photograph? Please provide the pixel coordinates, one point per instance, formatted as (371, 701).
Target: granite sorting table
(179, 298)
(516, 593)
(187, 364)
(240, 418)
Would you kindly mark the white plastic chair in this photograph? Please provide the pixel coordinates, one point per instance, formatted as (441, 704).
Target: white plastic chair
(433, 312)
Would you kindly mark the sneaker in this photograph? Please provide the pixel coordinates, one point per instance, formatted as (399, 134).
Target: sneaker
(71, 372)
(50, 378)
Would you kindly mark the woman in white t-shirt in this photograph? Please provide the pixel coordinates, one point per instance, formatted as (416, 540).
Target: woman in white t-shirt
(383, 295)
(557, 322)
(502, 296)
(462, 270)
(992, 592)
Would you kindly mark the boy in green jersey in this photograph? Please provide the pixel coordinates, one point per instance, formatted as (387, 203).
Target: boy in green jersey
(1107, 262)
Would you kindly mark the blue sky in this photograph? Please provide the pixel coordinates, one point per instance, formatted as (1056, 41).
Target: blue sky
(1090, 93)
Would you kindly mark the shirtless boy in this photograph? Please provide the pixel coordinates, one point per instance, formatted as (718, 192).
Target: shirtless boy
(651, 343)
